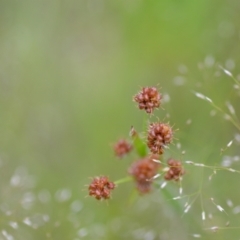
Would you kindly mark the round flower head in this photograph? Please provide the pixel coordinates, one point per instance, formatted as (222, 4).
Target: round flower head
(101, 188)
(148, 99)
(143, 172)
(122, 147)
(159, 135)
(175, 170)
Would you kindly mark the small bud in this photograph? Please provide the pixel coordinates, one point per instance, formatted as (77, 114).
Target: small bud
(227, 72)
(175, 198)
(214, 228)
(163, 185)
(230, 143)
(230, 108)
(196, 235)
(199, 165)
(187, 208)
(200, 95)
(220, 208)
(189, 162)
(133, 132)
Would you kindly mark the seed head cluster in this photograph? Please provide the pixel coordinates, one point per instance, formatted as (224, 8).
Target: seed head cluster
(175, 170)
(148, 99)
(143, 172)
(101, 188)
(122, 147)
(159, 135)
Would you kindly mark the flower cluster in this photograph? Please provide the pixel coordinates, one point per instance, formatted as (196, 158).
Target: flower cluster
(148, 99)
(175, 170)
(143, 171)
(159, 135)
(101, 188)
(122, 147)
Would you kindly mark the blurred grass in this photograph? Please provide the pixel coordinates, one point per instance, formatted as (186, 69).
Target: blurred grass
(68, 71)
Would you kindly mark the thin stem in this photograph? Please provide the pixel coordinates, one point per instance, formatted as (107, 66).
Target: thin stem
(230, 118)
(214, 167)
(221, 228)
(200, 191)
(235, 80)
(230, 75)
(123, 180)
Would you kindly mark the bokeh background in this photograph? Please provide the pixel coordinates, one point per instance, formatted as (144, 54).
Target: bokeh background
(68, 72)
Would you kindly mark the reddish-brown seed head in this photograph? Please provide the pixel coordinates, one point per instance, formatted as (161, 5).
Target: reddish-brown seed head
(122, 147)
(175, 170)
(101, 188)
(148, 99)
(143, 172)
(159, 135)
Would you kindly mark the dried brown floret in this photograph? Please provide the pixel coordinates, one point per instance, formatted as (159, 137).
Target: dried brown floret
(101, 188)
(148, 99)
(159, 135)
(122, 147)
(175, 170)
(143, 172)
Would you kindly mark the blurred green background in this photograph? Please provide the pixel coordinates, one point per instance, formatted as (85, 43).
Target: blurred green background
(68, 71)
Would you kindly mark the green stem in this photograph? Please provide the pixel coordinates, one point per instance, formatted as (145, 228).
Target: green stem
(235, 80)
(123, 180)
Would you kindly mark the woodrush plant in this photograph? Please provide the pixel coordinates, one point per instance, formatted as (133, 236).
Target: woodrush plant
(151, 149)
(151, 164)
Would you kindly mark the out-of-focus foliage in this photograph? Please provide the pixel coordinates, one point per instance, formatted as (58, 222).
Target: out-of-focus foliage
(68, 72)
